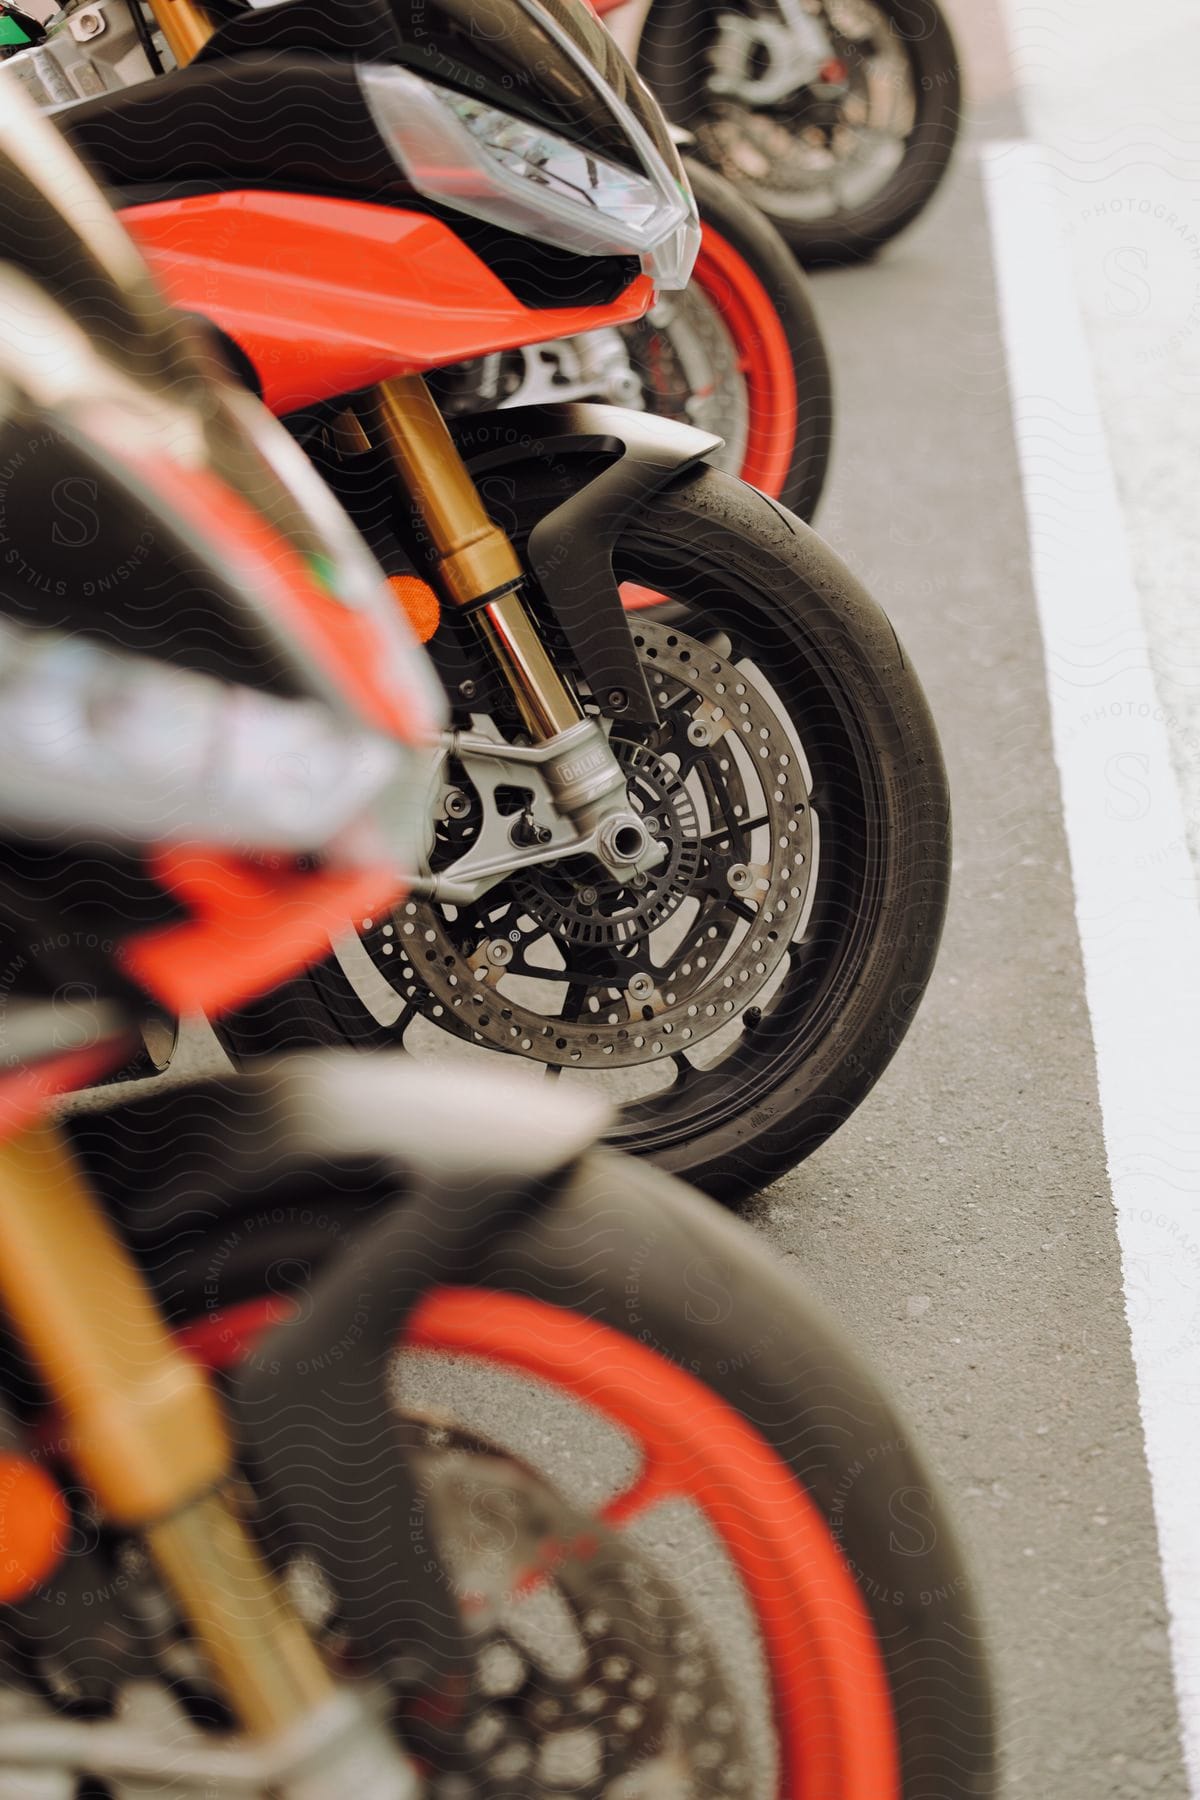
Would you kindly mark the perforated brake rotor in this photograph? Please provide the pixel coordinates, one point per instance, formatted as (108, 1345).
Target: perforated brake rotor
(566, 966)
(590, 1676)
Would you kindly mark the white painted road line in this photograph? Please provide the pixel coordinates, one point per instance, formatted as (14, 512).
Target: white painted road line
(1135, 893)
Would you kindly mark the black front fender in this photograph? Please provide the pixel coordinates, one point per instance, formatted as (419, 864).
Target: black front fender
(570, 553)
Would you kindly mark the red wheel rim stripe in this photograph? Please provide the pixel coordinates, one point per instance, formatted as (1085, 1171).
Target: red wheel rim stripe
(817, 1636)
(748, 313)
(765, 359)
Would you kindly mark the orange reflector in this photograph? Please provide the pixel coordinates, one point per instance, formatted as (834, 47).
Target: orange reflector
(419, 602)
(33, 1526)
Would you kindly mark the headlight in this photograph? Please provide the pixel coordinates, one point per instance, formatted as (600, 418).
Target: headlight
(460, 151)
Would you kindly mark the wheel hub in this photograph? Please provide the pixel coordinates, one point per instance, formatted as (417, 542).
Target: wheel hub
(829, 143)
(582, 907)
(568, 966)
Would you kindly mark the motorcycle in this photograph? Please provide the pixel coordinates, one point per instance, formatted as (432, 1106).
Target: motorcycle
(700, 859)
(739, 352)
(837, 117)
(241, 1557)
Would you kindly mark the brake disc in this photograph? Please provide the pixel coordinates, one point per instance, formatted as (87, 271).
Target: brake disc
(589, 1675)
(565, 965)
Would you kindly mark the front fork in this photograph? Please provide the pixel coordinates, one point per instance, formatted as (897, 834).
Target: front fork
(479, 572)
(146, 1434)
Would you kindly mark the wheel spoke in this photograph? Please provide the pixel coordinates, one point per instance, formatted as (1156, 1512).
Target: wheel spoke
(650, 1487)
(409, 1012)
(574, 1002)
(735, 828)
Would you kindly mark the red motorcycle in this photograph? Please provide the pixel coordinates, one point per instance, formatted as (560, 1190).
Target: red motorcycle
(739, 352)
(292, 1366)
(701, 859)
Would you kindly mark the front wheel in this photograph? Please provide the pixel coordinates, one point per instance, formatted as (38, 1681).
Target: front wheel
(750, 1570)
(742, 999)
(838, 119)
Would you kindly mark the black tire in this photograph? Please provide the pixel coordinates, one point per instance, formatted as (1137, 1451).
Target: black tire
(741, 565)
(787, 290)
(627, 1247)
(672, 60)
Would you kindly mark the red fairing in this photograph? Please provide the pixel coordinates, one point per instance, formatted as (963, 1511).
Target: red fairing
(250, 927)
(327, 296)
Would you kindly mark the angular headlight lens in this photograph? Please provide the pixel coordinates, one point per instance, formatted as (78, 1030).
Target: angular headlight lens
(464, 153)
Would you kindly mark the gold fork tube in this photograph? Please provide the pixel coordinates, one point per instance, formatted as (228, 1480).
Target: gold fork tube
(185, 26)
(143, 1424)
(263, 1656)
(475, 557)
(144, 1427)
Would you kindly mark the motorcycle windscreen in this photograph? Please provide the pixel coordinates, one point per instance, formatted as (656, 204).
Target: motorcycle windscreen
(508, 52)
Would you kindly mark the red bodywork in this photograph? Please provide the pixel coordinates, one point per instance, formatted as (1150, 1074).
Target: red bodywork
(327, 296)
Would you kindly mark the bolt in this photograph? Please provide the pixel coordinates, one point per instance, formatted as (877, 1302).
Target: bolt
(456, 803)
(624, 389)
(87, 25)
(652, 826)
(740, 877)
(527, 831)
(467, 690)
(588, 896)
(638, 880)
(499, 953)
(641, 987)
(618, 699)
(699, 734)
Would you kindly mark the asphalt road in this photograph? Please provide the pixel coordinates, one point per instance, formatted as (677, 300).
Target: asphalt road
(961, 1226)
